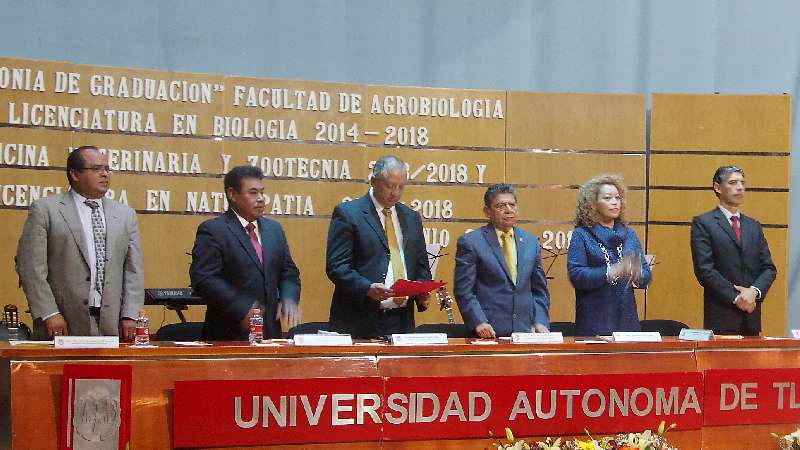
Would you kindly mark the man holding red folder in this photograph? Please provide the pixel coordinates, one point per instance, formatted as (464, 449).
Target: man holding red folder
(372, 242)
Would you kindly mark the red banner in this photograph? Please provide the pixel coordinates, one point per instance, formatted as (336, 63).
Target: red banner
(289, 411)
(260, 412)
(752, 396)
(536, 405)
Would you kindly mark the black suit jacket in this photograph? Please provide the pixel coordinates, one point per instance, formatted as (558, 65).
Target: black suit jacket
(226, 273)
(720, 262)
(358, 255)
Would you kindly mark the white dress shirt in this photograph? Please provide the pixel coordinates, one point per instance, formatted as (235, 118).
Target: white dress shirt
(390, 275)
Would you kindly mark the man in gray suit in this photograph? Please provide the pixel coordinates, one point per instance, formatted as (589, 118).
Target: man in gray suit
(79, 259)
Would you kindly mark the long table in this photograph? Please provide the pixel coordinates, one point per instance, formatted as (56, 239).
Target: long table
(30, 379)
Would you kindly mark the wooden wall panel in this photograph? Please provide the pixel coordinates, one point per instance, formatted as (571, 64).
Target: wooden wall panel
(730, 123)
(696, 169)
(576, 121)
(455, 141)
(692, 135)
(572, 169)
(682, 206)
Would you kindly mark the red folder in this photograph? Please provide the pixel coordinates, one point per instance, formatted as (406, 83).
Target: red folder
(407, 288)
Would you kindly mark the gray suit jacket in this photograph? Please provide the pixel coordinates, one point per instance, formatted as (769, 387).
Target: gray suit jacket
(54, 272)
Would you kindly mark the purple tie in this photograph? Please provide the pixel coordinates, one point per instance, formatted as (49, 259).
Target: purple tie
(737, 231)
(251, 231)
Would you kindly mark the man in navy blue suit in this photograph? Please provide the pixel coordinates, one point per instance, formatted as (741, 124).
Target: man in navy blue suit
(500, 285)
(372, 242)
(241, 263)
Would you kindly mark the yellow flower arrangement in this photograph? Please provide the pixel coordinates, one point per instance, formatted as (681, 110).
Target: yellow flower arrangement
(790, 441)
(646, 440)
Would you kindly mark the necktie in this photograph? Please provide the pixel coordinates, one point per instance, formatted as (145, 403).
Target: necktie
(737, 230)
(510, 257)
(251, 231)
(394, 250)
(99, 235)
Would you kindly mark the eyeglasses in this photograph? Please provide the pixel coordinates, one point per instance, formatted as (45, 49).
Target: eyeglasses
(97, 169)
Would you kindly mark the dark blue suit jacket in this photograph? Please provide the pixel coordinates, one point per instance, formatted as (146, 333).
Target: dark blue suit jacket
(483, 287)
(358, 255)
(720, 262)
(226, 273)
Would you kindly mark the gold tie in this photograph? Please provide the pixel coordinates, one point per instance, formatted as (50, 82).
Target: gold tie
(510, 257)
(394, 250)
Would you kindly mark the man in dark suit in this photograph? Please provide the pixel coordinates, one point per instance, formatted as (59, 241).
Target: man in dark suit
(372, 242)
(241, 263)
(79, 259)
(500, 285)
(731, 260)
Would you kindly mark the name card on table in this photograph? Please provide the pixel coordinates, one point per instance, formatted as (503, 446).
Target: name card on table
(637, 336)
(86, 341)
(555, 337)
(695, 334)
(419, 338)
(322, 339)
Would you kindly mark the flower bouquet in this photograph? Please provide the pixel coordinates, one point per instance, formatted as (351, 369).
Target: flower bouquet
(790, 441)
(646, 440)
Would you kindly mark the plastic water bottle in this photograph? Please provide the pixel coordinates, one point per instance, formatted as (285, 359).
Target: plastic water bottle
(142, 335)
(256, 327)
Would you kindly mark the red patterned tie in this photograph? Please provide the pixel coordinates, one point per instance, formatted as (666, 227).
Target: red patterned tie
(251, 231)
(737, 231)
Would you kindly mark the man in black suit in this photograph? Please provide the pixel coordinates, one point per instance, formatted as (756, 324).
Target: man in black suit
(363, 263)
(241, 263)
(731, 260)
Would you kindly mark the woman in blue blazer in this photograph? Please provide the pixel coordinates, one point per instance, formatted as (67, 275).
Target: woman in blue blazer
(605, 260)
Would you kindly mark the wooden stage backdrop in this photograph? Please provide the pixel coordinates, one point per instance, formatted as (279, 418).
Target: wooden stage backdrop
(170, 138)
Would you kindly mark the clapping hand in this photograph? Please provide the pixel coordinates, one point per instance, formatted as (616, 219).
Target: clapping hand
(628, 268)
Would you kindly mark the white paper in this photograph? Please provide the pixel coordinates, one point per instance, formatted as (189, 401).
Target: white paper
(483, 342)
(637, 336)
(322, 339)
(31, 343)
(591, 341)
(191, 343)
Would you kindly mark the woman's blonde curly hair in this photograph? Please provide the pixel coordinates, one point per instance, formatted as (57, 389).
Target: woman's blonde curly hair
(586, 209)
